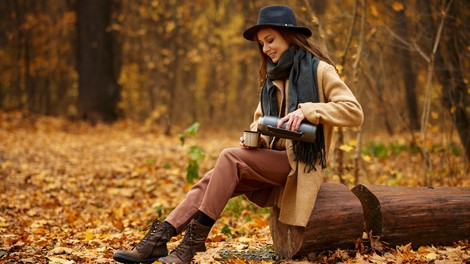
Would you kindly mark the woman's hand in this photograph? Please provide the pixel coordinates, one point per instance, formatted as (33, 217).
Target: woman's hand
(293, 119)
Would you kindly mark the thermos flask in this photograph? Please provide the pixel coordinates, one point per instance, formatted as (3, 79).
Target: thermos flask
(267, 125)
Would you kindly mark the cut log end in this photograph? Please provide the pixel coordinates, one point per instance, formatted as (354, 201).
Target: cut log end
(417, 215)
(371, 208)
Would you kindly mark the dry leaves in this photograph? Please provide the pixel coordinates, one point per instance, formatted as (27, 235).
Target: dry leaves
(71, 193)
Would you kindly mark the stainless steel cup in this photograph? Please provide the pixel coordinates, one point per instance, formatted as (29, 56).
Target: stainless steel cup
(251, 138)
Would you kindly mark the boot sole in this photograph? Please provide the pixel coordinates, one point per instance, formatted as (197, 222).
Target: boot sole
(126, 259)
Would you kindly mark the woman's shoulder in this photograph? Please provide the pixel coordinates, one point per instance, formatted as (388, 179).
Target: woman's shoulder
(322, 65)
(325, 68)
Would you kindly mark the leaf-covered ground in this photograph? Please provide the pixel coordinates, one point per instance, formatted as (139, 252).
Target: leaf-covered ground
(71, 193)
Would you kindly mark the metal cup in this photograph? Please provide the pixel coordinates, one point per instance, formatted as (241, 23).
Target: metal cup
(251, 138)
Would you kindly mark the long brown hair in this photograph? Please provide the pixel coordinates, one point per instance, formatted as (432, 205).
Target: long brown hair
(293, 38)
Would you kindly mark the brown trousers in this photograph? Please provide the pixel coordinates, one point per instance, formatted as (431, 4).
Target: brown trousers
(237, 171)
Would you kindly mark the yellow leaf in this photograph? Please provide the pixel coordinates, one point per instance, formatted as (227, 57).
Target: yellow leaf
(435, 115)
(89, 235)
(348, 177)
(398, 6)
(352, 142)
(340, 68)
(366, 158)
(346, 148)
(423, 250)
(3, 222)
(336, 178)
(170, 26)
(374, 11)
(431, 256)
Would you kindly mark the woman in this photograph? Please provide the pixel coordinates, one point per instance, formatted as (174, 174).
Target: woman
(298, 83)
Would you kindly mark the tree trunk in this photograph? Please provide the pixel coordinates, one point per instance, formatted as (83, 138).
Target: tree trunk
(455, 95)
(98, 88)
(336, 221)
(404, 55)
(417, 215)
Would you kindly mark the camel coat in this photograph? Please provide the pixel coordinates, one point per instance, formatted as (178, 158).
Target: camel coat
(337, 107)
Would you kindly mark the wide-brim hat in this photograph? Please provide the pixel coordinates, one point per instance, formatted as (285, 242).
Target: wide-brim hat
(276, 17)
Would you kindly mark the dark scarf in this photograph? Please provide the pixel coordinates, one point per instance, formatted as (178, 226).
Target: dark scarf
(300, 67)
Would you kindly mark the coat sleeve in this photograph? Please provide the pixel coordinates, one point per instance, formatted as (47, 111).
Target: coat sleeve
(338, 107)
(258, 113)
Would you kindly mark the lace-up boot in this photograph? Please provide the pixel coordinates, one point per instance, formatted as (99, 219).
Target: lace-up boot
(193, 242)
(150, 248)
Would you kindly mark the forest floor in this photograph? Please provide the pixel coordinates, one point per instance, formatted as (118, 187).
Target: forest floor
(74, 193)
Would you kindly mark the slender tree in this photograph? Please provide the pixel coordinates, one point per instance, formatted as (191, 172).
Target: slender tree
(449, 64)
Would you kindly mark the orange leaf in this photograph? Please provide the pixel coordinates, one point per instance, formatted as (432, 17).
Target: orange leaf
(398, 6)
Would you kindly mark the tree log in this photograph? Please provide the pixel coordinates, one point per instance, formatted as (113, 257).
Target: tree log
(416, 215)
(336, 222)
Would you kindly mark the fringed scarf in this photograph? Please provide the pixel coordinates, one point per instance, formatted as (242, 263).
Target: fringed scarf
(300, 67)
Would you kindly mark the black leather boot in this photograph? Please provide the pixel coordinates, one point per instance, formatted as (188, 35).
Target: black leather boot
(150, 248)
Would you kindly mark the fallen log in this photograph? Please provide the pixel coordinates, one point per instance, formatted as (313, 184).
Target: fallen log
(416, 215)
(336, 222)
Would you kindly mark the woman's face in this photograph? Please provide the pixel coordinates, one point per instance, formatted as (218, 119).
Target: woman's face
(272, 43)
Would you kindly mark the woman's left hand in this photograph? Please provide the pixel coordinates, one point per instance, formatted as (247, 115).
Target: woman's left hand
(262, 143)
(293, 119)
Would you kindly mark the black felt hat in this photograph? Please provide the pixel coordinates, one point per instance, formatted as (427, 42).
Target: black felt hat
(276, 17)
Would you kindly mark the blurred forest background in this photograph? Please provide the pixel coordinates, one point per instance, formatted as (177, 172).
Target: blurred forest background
(172, 63)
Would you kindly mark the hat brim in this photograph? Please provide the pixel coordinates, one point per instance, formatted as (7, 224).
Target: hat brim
(250, 33)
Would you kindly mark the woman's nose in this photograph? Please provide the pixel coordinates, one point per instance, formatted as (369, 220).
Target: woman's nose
(265, 48)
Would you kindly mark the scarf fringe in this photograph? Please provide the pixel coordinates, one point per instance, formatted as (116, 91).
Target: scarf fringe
(311, 153)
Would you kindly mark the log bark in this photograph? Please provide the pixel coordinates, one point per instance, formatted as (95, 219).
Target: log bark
(416, 215)
(336, 222)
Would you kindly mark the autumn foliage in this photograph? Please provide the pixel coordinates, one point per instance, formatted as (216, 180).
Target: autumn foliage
(75, 193)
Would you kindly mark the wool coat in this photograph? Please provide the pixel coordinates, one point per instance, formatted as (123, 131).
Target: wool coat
(338, 107)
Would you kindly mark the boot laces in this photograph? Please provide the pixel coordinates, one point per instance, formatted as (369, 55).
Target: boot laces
(189, 238)
(185, 243)
(153, 228)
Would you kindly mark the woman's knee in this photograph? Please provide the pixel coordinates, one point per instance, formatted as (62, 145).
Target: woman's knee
(230, 153)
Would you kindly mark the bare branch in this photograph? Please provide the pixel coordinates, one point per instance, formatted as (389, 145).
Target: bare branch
(428, 97)
(361, 39)
(351, 31)
(414, 45)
